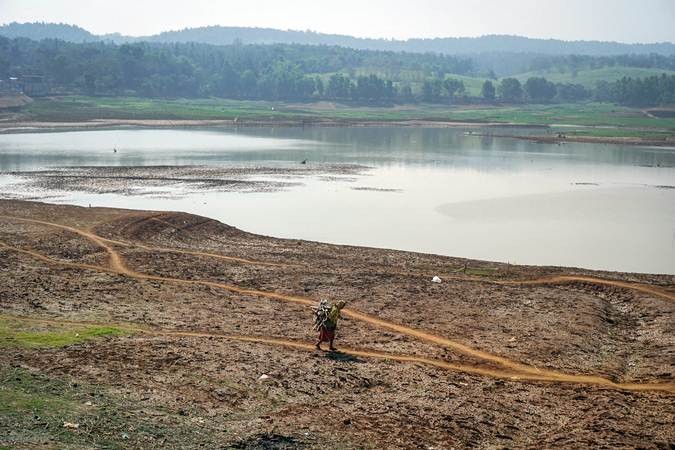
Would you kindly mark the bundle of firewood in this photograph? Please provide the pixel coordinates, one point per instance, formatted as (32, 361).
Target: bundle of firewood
(321, 314)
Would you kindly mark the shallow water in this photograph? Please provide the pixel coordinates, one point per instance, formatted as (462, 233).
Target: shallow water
(441, 190)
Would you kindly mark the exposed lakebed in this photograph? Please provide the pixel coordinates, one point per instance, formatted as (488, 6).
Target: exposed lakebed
(423, 189)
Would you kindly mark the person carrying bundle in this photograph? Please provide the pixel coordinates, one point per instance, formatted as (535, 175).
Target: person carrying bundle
(325, 322)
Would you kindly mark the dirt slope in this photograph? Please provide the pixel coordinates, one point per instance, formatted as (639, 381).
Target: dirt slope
(458, 360)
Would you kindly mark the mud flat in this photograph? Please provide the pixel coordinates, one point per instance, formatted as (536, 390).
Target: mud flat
(21, 126)
(668, 141)
(8, 126)
(154, 330)
(176, 181)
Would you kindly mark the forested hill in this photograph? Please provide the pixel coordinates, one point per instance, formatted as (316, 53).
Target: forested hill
(293, 72)
(219, 35)
(39, 31)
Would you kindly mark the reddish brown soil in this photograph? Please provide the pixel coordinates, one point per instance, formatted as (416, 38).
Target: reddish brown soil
(527, 357)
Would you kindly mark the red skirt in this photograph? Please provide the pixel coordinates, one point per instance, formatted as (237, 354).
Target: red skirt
(326, 335)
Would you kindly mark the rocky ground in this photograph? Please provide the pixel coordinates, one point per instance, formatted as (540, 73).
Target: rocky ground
(166, 330)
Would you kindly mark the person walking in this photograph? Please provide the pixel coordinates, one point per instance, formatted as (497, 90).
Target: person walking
(326, 322)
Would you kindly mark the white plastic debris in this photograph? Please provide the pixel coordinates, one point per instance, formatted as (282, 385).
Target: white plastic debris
(436, 279)
(71, 426)
(263, 377)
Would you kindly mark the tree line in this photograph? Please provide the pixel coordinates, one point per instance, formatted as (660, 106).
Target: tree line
(290, 72)
(648, 91)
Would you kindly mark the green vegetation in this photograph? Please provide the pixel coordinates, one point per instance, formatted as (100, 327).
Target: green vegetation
(34, 409)
(614, 120)
(312, 73)
(492, 52)
(77, 108)
(588, 78)
(15, 333)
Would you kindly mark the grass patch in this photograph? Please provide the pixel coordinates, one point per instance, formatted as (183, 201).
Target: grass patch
(589, 77)
(15, 333)
(34, 407)
(612, 117)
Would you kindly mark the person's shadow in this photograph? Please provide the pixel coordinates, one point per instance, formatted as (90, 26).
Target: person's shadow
(337, 355)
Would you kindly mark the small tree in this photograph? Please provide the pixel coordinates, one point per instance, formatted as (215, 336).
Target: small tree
(510, 90)
(453, 87)
(539, 90)
(488, 91)
(431, 90)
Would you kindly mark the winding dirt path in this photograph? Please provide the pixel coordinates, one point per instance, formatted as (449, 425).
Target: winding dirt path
(523, 371)
(115, 260)
(553, 279)
(561, 279)
(461, 348)
(365, 353)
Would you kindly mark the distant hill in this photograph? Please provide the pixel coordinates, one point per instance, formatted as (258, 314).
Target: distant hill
(38, 31)
(220, 35)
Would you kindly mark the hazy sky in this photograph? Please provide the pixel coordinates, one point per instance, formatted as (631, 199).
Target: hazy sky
(618, 20)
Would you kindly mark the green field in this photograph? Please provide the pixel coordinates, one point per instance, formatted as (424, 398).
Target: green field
(613, 120)
(585, 77)
(589, 77)
(18, 334)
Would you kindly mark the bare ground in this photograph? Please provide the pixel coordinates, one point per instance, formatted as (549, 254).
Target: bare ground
(495, 356)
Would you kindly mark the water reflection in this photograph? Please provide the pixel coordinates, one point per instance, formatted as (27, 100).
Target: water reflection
(450, 191)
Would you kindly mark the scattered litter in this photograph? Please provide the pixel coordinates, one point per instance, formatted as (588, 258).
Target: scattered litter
(77, 334)
(125, 436)
(71, 426)
(88, 404)
(436, 279)
(513, 339)
(263, 377)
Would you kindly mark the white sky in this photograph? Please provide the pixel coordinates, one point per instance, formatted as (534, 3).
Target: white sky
(616, 20)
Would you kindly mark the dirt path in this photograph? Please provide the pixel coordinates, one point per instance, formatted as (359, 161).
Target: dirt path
(553, 279)
(365, 353)
(461, 348)
(115, 260)
(524, 372)
(560, 279)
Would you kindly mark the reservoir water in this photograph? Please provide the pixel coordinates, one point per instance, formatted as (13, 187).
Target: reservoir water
(432, 190)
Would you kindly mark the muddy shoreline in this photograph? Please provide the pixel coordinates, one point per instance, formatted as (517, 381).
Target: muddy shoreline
(32, 126)
(494, 356)
(10, 127)
(561, 140)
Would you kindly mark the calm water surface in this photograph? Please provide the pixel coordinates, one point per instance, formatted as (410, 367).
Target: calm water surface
(595, 206)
